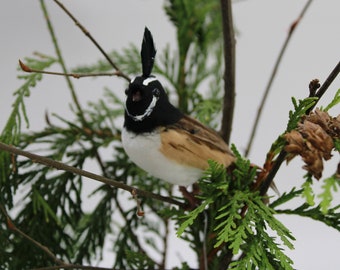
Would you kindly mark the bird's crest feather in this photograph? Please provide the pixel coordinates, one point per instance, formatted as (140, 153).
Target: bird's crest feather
(148, 53)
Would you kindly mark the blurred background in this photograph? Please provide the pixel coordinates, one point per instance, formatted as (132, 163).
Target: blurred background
(261, 28)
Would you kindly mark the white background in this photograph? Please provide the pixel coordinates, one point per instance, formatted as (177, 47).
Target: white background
(262, 25)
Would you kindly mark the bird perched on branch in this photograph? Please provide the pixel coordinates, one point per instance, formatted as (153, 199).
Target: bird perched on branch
(159, 138)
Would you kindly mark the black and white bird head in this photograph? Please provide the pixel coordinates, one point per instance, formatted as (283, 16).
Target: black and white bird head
(147, 105)
(159, 138)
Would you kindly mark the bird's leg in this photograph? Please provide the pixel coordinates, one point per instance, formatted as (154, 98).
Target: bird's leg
(191, 198)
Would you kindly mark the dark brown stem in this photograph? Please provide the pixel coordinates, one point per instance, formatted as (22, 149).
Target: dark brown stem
(61, 166)
(165, 244)
(132, 232)
(229, 69)
(70, 85)
(331, 77)
(12, 227)
(61, 59)
(282, 156)
(72, 267)
(87, 33)
(273, 75)
(26, 68)
(270, 177)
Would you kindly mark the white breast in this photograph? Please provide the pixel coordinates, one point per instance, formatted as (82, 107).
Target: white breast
(143, 150)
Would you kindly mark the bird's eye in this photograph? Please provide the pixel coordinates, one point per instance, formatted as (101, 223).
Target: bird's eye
(126, 91)
(156, 92)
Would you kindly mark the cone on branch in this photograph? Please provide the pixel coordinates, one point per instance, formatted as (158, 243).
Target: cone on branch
(313, 140)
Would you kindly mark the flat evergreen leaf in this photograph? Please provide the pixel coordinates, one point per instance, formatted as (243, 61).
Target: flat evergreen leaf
(128, 59)
(285, 197)
(335, 101)
(39, 204)
(12, 130)
(300, 108)
(138, 260)
(331, 218)
(330, 185)
(308, 192)
(337, 144)
(191, 217)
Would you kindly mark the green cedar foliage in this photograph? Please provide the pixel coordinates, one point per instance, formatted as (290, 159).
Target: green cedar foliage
(239, 219)
(232, 225)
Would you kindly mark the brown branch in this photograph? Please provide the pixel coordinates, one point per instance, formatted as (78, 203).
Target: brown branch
(26, 68)
(87, 33)
(61, 264)
(11, 226)
(273, 75)
(61, 166)
(70, 85)
(282, 156)
(165, 244)
(229, 69)
(331, 77)
(61, 59)
(132, 232)
(73, 267)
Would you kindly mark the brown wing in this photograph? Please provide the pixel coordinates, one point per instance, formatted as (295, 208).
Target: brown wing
(191, 143)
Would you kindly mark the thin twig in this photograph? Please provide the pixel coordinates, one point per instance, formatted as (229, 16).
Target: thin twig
(140, 212)
(275, 168)
(61, 166)
(87, 33)
(72, 267)
(273, 75)
(70, 85)
(331, 77)
(165, 243)
(26, 68)
(61, 264)
(12, 227)
(165, 239)
(229, 69)
(132, 233)
(61, 60)
(282, 156)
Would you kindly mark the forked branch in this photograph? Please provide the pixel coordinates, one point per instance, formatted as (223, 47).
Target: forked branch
(273, 75)
(26, 68)
(61, 166)
(60, 263)
(11, 226)
(282, 156)
(87, 33)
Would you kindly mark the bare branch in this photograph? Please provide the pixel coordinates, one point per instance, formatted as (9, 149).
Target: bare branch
(61, 59)
(12, 227)
(26, 68)
(320, 92)
(273, 75)
(69, 83)
(282, 156)
(61, 166)
(87, 33)
(229, 69)
(73, 267)
(61, 263)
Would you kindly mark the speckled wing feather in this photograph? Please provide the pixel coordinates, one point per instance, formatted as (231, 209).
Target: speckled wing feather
(191, 143)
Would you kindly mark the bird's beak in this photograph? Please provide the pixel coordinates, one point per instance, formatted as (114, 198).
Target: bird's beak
(136, 96)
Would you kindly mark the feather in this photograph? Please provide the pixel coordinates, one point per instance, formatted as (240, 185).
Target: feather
(147, 53)
(192, 144)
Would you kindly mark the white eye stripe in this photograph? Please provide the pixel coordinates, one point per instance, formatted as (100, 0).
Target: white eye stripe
(146, 81)
(149, 80)
(147, 112)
